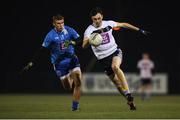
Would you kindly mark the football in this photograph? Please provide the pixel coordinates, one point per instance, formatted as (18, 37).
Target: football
(95, 39)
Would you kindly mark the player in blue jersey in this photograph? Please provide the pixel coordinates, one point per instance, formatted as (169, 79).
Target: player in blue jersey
(60, 41)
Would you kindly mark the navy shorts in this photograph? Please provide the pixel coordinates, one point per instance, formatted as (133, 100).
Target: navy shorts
(146, 81)
(107, 62)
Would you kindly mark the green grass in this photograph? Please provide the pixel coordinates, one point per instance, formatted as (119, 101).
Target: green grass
(29, 106)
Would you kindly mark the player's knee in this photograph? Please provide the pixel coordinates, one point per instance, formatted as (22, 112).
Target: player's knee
(65, 84)
(115, 68)
(76, 75)
(77, 78)
(77, 83)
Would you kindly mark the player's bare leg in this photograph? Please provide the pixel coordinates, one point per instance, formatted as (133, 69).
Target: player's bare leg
(121, 81)
(146, 91)
(116, 62)
(128, 96)
(117, 83)
(149, 90)
(67, 83)
(76, 76)
(142, 91)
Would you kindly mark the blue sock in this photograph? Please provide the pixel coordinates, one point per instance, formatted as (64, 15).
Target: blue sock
(75, 105)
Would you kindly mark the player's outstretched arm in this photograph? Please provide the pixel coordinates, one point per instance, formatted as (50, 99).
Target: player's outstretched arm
(132, 27)
(128, 26)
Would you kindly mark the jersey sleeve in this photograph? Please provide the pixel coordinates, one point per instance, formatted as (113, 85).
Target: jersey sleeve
(87, 33)
(112, 23)
(47, 41)
(152, 65)
(139, 64)
(74, 34)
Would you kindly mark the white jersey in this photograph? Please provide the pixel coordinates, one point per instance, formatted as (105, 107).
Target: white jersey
(145, 67)
(108, 45)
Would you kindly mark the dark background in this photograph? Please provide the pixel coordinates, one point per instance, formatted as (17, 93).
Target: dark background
(24, 25)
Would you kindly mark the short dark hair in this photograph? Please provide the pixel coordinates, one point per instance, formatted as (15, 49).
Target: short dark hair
(95, 11)
(57, 17)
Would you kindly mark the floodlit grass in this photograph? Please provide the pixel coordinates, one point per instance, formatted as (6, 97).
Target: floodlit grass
(29, 106)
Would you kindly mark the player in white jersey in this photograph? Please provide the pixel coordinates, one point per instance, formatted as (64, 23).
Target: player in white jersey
(108, 53)
(145, 65)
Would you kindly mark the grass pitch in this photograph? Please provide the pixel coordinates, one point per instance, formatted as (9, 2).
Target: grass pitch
(51, 106)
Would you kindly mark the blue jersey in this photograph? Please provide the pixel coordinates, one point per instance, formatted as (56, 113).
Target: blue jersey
(56, 42)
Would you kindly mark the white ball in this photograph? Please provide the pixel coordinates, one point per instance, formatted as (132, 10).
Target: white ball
(95, 39)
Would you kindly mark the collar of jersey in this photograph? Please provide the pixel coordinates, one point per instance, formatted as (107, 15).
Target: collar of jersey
(59, 32)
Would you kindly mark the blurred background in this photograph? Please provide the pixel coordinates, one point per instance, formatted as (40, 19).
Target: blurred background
(25, 24)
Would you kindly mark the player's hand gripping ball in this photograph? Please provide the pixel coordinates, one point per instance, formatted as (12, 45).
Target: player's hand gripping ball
(95, 39)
